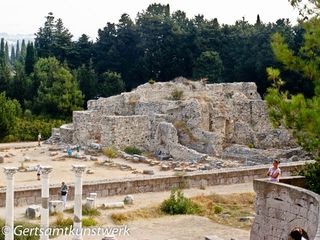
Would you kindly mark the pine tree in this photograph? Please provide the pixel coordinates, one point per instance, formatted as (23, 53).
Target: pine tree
(2, 53)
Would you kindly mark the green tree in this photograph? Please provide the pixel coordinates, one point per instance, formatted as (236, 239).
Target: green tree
(9, 111)
(209, 65)
(18, 51)
(87, 81)
(58, 93)
(12, 55)
(30, 58)
(297, 112)
(23, 49)
(110, 84)
(7, 59)
(4, 69)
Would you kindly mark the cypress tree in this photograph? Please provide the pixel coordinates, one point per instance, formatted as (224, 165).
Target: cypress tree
(30, 58)
(23, 49)
(13, 55)
(6, 53)
(18, 52)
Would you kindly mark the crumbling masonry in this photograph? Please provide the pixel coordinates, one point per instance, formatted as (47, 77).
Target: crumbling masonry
(202, 122)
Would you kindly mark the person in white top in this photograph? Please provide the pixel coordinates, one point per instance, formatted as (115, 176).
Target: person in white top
(274, 171)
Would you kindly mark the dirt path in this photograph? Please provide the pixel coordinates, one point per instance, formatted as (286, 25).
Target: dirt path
(164, 228)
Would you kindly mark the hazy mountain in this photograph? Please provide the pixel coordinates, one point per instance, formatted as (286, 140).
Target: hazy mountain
(12, 38)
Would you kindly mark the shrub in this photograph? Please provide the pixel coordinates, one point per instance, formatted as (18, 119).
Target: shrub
(132, 150)
(110, 152)
(88, 222)
(179, 204)
(24, 225)
(87, 211)
(27, 129)
(151, 81)
(176, 94)
(63, 222)
(312, 175)
(250, 145)
(217, 209)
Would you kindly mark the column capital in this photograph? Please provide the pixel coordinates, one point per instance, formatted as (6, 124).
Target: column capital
(10, 171)
(78, 169)
(45, 170)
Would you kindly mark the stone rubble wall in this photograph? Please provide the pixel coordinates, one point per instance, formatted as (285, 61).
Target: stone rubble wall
(32, 195)
(282, 207)
(210, 117)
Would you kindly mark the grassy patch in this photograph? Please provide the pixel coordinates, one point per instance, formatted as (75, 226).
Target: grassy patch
(143, 213)
(110, 152)
(223, 209)
(132, 150)
(228, 209)
(24, 225)
(86, 211)
(184, 129)
(177, 94)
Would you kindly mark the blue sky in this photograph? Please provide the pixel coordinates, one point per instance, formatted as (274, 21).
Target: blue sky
(83, 16)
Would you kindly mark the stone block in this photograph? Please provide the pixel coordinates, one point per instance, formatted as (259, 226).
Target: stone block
(55, 206)
(1, 159)
(128, 200)
(33, 211)
(113, 205)
(212, 238)
(90, 203)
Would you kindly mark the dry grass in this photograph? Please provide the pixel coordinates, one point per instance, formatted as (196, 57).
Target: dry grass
(224, 209)
(228, 209)
(183, 128)
(143, 213)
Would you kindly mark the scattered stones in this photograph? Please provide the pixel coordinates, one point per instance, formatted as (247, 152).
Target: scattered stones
(178, 169)
(113, 205)
(52, 154)
(89, 171)
(55, 206)
(92, 158)
(212, 238)
(33, 211)
(165, 167)
(246, 219)
(148, 172)
(95, 146)
(27, 159)
(128, 200)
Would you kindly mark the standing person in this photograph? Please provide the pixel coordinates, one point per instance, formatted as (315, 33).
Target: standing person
(64, 193)
(274, 171)
(39, 139)
(38, 172)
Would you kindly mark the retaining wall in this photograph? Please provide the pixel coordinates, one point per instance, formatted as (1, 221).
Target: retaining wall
(103, 188)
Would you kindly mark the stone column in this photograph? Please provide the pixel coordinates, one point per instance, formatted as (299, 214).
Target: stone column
(78, 170)
(9, 172)
(45, 170)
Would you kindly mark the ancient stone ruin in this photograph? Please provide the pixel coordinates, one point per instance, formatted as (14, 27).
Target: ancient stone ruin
(184, 119)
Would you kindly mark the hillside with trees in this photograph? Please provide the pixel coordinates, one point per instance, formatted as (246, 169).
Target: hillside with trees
(54, 75)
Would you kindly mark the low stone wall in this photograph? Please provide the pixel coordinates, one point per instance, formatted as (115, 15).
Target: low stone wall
(32, 195)
(281, 207)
